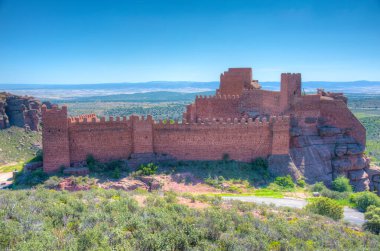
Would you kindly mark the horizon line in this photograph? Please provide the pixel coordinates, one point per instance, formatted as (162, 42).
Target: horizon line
(182, 81)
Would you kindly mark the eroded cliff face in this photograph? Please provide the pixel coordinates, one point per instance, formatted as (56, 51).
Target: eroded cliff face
(21, 111)
(322, 152)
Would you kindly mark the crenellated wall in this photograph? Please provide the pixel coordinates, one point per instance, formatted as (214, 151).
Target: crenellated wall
(105, 140)
(211, 138)
(218, 106)
(70, 140)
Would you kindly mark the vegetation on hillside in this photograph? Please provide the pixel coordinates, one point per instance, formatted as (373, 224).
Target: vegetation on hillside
(17, 145)
(114, 220)
(325, 206)
(159, 110)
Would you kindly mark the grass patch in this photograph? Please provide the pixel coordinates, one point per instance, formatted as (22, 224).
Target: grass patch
(10, 168)
(255, 173)
(265, 192)
(17, 145)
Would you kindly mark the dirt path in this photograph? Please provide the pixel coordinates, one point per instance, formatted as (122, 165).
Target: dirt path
(5, 179)
(350, 215)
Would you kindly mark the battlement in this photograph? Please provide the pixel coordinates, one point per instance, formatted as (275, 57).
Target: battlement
(234, 81)
(54, 109)
(216, 97)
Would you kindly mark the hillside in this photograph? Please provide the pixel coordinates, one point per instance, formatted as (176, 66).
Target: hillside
(116, 220)
(18, 145)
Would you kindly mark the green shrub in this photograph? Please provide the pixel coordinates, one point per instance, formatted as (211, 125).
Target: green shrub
(365, 199)
(96, 166)
(334, 194)
(259, 163)
(148, 169)
(285, 182)
(301, 183)
(31, 178)
(115, 164)
(318, 187)
(373, 219)
(52, 182)
(116, 173)
(327, 207)
(226, 157)
(90, 160)
(171, 197)
(342, 184)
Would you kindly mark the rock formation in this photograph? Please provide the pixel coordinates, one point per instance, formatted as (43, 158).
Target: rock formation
(21, 111)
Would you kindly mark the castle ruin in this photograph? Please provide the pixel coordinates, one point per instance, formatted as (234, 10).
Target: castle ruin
(315, 136)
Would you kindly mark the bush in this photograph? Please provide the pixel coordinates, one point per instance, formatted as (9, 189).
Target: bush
(31, 178)
(318, 187)
(285, 182)
(301, 183)
(148, 169)
(373, 219)
(116, 173)
(96, 166)
(365, 199)
(226, 157)
(325, 192)
(327, 207)
(52, 182)
(90, 160)
(259, 163)
(342, 184)
(334, 194)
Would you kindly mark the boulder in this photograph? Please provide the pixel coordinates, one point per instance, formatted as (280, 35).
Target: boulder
(357, 175)
(360, 185)
(326, 131)
(353, 149)
(340, 150)
(341, 164)
(346, 163)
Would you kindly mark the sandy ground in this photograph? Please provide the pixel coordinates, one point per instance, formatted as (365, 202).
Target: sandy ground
(5, 179)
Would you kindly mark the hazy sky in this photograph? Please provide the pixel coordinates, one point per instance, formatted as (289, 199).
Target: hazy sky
(91, 41)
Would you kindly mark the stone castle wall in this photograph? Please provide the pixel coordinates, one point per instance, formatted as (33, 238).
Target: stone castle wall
(70, 140)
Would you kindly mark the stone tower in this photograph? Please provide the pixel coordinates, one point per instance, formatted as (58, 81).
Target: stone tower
(290, 90)
(55, 138)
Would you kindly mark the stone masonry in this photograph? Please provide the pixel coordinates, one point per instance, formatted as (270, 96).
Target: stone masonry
(315, 136)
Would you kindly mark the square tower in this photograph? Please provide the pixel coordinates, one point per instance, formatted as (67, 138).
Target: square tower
(290, 89)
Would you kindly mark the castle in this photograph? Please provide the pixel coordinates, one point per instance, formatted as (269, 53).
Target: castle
(315, 136)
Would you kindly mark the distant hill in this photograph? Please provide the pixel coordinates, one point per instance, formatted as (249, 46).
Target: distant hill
(160, 96)
(165, 90)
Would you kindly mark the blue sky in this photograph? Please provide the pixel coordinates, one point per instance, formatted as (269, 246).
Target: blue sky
(94, 41)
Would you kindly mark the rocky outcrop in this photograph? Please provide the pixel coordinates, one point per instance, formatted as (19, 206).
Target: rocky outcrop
(322, 153)
(282, 165)
(21, 111)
